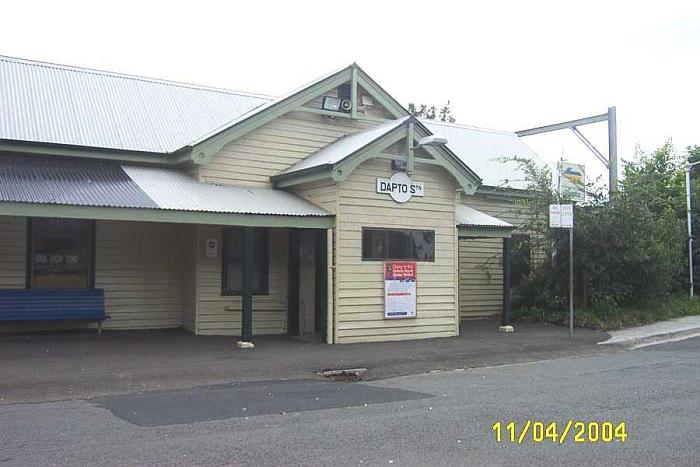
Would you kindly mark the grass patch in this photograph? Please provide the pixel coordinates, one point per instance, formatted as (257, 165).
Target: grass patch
(614, 318)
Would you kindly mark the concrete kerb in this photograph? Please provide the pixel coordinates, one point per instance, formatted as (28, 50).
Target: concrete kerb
(657, 333)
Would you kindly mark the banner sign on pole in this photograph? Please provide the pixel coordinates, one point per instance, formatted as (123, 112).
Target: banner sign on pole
(572, 181)
(400, 289)
(561, 216)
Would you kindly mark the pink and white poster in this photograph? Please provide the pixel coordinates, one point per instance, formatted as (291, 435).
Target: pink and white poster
(400, 279)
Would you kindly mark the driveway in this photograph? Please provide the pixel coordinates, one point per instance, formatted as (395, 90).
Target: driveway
(79, 365)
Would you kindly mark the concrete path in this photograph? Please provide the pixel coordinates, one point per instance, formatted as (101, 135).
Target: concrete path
(62, 366)
(663, 331)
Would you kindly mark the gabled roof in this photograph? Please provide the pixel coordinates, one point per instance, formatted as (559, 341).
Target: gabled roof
(480, 149)
(109, 184)
(58, 104)
(344, 147)
(340, 158)
(204, 149)
(75, 110)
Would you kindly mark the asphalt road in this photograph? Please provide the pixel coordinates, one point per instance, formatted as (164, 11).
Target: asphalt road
(430, 419)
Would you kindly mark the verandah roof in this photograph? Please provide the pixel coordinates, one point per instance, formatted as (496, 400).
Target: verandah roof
(149, 193)
(474, 223)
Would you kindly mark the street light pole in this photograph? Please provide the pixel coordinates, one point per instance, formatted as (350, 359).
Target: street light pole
(688, 167)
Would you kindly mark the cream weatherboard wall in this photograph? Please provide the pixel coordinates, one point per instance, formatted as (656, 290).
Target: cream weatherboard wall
(481, 259)
(220, 314)
(275, 146)
(323, 193)
(138, 265)
(359, 284)
(13, 252)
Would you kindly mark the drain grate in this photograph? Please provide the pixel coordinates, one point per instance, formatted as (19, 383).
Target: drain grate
(351, 375)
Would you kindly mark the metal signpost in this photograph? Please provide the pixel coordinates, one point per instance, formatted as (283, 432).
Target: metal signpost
(610, 162)
(688, 168)
(561, 216)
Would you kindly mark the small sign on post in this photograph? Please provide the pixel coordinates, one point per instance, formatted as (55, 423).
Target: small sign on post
(561, 216)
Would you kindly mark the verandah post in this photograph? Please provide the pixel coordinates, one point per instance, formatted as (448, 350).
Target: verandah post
(507, 260)
(247, 309)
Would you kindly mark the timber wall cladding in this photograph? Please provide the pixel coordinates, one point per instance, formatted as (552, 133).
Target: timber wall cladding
(218, 314)
(140, 267)
(360, 284)
(323, 193)
(13, 252)
(481, 260)
(268, 150)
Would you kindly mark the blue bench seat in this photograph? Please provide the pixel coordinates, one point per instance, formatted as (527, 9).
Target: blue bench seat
(53, 305)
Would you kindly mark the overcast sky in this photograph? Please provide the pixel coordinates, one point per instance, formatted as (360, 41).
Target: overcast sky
(504, 65)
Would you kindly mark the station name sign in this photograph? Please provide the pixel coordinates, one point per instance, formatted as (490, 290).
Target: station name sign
(400, 187)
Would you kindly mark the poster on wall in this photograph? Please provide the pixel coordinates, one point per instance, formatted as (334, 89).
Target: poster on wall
(399, 289)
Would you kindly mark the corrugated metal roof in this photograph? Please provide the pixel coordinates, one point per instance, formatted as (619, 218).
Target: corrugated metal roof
(175, 190)
(480, 149)
(470, 217)
(49, 103)
(270, 103)
(345, 146)
(69, 182)
(107, 184)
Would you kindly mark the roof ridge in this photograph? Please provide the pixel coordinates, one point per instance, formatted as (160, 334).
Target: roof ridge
(114, 74)
(468, 127)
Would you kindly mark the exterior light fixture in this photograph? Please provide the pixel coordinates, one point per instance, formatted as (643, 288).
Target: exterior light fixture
(332, 103)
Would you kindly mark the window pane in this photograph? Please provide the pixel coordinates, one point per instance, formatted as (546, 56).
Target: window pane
(374, 244)
(61, 254)
(423, 244)
(400, 245)
(406, 244)
(233, 262)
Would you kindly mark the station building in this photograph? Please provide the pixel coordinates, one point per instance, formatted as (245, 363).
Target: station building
(168, 205)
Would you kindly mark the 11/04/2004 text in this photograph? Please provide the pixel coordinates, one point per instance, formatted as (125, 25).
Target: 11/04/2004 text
(574, 430)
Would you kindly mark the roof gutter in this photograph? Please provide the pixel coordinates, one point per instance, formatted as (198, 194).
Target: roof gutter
(9, 208)
(504, 192)
(285, 180)
(86, 152)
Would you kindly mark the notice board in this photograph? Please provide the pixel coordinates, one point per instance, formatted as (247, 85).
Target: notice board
(400, 279)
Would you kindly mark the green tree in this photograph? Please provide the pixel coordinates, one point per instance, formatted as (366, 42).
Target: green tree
(444, 114)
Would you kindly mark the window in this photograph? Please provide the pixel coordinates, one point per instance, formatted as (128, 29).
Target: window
(60, 254)
(520, 261)
(232, 270)
(381, 244)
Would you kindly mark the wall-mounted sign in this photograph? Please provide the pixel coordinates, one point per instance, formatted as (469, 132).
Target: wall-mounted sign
(561, 216)
(400, 187)
(212, 248)
(398, 164)
(572, 181)
(400, 289)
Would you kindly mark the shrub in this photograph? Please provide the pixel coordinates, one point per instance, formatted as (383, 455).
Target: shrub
(628, 253)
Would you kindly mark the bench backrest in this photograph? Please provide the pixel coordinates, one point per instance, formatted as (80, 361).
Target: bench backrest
(52, 304)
